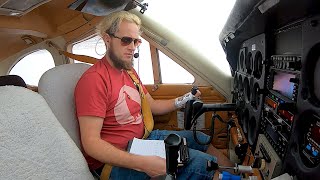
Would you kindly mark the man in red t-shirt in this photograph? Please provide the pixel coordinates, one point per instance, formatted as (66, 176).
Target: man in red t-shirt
(108, 107)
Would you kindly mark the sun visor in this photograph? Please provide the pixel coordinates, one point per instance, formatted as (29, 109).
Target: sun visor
(103, 7)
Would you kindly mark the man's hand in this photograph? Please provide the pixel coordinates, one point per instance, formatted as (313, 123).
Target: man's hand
(181, 101)
(154, 166)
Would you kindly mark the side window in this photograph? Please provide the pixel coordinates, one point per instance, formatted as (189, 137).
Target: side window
(93, 47)
(96, 48)
(143, 64)
(173, 73)
(32, 66)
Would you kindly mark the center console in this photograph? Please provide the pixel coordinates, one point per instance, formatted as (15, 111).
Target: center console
(280, 103)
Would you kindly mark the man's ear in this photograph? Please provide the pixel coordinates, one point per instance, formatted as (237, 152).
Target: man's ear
(106, 38)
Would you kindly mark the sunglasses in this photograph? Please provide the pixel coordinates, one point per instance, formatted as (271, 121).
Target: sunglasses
(125, 41)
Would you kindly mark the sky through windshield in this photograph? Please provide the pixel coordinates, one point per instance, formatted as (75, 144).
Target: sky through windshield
(198, 22)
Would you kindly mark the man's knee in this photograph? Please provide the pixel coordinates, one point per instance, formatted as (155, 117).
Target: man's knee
(196, 168)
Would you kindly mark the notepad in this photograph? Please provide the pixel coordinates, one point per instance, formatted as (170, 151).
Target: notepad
(148, 147)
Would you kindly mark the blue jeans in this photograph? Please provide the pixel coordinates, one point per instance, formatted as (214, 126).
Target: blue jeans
(194, 169)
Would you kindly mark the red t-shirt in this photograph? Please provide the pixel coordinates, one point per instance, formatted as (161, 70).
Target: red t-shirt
(109, 93)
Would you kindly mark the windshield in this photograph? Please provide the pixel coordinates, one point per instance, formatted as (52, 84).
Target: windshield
(200, 23)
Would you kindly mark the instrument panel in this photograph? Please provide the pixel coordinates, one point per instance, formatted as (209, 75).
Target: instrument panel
(280, 103)
(276, 89)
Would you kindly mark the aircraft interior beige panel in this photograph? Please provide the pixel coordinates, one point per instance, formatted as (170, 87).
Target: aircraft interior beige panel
(82, 31)
(73, 24)
(168, 91)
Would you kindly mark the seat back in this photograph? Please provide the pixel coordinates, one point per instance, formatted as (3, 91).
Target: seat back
(57, 87)
(33, 144)
(13, 80)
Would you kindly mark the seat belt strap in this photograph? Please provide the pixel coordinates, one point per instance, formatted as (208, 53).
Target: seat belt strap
(145, 107)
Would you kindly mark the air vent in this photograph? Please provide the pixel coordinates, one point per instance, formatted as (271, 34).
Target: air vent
(18, 7)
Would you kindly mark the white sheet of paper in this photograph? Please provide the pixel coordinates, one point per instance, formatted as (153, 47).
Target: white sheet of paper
(148, 147)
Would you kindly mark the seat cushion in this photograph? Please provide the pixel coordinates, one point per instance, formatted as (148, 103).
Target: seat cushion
(33, 143)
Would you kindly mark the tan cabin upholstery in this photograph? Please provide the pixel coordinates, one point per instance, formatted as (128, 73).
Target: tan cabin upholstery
(57, 87)
(33, 143)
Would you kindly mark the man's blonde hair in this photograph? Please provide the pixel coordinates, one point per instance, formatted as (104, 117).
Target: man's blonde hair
(110, 24)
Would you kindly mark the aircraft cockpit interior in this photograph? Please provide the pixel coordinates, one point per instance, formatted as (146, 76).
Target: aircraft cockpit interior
(263, 114)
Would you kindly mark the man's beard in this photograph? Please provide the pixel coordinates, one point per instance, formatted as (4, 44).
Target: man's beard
(119, 63)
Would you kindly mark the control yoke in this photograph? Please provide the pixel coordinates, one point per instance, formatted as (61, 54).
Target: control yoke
(194, 109)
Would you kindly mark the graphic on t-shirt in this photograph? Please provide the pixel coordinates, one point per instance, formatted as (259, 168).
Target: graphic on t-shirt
(127, 97)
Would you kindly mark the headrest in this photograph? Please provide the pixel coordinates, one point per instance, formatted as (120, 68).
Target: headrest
(13, 80)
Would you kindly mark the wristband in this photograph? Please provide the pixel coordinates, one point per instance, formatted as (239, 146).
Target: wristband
(179, 102)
